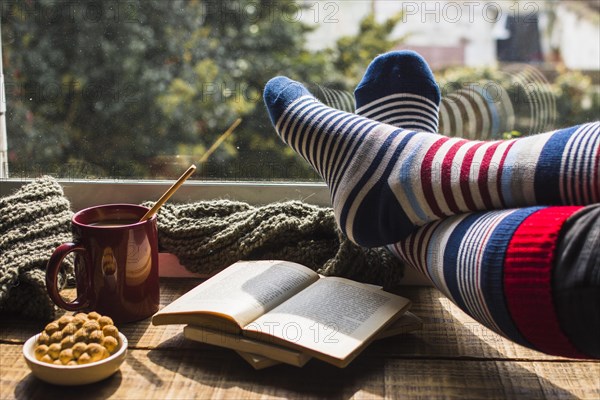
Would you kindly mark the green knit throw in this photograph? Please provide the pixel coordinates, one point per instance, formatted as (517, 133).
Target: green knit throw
(207, 236)
(33, 222)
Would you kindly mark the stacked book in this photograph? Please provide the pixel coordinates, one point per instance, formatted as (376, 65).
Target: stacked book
(274, 312)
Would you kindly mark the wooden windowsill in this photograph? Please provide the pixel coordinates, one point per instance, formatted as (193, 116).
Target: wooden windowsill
(452, 356)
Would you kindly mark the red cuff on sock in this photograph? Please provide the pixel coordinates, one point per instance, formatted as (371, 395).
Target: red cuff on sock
(528, 280)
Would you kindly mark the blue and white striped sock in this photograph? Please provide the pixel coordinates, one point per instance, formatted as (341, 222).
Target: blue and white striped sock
(399, 89)
(385, 181)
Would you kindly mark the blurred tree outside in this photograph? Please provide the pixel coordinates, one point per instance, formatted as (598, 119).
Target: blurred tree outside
(354, 53)
(132, 89)
(143, 88)
(119, 89)
(556, 98)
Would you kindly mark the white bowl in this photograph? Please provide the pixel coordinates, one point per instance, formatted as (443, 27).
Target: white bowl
(75, 374)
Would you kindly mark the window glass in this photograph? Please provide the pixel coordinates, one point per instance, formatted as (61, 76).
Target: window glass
(142, 89)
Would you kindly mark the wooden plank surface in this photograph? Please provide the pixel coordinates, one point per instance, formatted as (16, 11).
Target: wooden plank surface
(451, 357)
(215, 373)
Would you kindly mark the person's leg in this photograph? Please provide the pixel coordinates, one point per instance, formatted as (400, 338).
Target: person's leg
(576, 279)
(385, 181)
(576, 269)
(509, 270)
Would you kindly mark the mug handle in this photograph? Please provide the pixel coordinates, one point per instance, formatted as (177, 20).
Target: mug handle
(52, 269)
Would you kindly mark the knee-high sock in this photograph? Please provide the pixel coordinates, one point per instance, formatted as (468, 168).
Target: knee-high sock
(385, 181)
(498, 267)
(398, 88)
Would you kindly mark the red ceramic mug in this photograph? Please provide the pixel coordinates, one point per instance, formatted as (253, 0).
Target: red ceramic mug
(116, 263)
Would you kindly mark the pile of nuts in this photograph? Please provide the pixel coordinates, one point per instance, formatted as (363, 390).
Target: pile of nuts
(78, 339)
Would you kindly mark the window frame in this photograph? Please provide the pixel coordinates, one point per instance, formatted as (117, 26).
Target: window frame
(84, 193)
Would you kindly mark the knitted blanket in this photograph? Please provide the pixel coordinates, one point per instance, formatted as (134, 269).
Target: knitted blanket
(33, 222)
(206, 236)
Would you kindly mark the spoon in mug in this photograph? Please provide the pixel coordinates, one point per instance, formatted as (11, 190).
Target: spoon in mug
(169, 193)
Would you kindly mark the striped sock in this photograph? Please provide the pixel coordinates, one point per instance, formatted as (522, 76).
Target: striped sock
(385, 181)
(399, 89)
(497, 267)
(500, 242)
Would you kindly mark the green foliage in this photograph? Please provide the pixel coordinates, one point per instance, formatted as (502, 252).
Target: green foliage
(82, 79)
(125, 88)
(570, 94)
(143, 88)
(354, 53)
(511, 135)
(577, 100)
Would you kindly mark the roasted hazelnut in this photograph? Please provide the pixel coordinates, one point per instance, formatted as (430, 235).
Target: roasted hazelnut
(54, 350)
(43, 338)
(64, 321)
(95, 336)
(51, 327)
(78, 321)
(67, 342)
(56, 337)
(110, 344)
(40, 351)
(78, 349)
(104, 320)
(96, 351)
(91, 325)
(82, 316)
(80, 336)
(47, 359)
(110, 330)
(69, 329)
(93, 315)
(84, 358)
(65, 356)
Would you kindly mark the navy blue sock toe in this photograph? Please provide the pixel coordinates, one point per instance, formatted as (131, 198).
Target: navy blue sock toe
(398, 88)
(279, 93)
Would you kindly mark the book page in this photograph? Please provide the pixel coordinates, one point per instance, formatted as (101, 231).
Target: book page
(242, 292)
(333, 317)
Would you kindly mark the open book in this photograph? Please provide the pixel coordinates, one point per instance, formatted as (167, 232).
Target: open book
(288, 307)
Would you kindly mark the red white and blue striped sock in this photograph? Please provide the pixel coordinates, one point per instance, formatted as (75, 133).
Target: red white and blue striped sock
(399, 89)
(470, 257)
(385, 181)
(497, 267)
